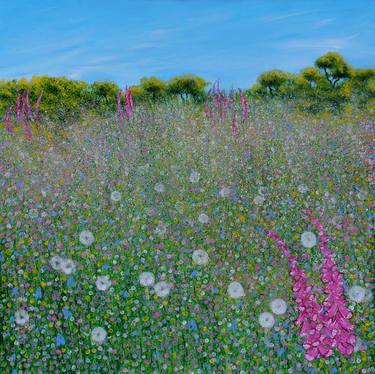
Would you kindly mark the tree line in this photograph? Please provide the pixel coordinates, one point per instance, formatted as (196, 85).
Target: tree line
(63, 98)
(331, 81)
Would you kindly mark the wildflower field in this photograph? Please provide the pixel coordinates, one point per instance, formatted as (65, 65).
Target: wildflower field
(183, 239)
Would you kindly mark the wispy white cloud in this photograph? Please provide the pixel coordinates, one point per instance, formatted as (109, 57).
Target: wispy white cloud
(159, 33)
(323, 22)
(145, 45)
(279, 17)
(324, 43)
(71, 42)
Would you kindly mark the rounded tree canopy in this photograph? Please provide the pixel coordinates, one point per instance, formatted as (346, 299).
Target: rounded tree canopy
(272, 80)
(153, 86)
(334, 67)
(187, 85)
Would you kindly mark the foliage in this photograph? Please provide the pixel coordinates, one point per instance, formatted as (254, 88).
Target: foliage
(272, 80)
(329, 85)
(167, 168)
(363, 84)
(335, 68)
(103, 94)
(186, 86)
(153, 87)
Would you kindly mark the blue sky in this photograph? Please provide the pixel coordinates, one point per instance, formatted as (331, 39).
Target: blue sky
(234, 40)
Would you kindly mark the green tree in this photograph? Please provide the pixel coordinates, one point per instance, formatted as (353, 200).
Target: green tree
(153, 87)
(289, 88)
(311, 77)
(8, 92)
(62, 99)
(362, 83)
(138, 93)
(363, 75)
(258, 90)
(272, 80)
(336, 70)
(187, 86)
(104, 94)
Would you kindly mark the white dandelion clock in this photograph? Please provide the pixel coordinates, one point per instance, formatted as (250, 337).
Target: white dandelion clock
(259, 200)
(200, 257)
(55, 262)
(357, 294)
(86, 237)
(308, 239)
(194, 177)
(302, 188)
(67, 266)
(278, 306)
(162, 288)
(159, 187)
(224, 192)
(236, 290)
(266, 320)
(203, 218)
(98, 335)
(146, 279)
(115, 196)
(103, 283)
(21, 317)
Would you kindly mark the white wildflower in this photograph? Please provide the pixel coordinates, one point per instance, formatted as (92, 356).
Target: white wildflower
(236, 290)
(162, 288)
(200, 257)
(55, 261)
(67, 266)
(103, 282)
(147, 279)
(115, 196)
(21, 317)
(98, 335)
(86, 237)
(357, 294)
(203, 218)
(266, 320)
(278, 306)
(308, 239)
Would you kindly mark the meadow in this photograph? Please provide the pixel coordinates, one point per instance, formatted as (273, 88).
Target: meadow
(146, 247)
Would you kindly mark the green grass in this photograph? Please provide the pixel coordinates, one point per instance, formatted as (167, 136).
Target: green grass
(198, 327)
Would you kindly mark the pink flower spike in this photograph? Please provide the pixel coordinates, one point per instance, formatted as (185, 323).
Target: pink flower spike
(311, 354)
(324, 351)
